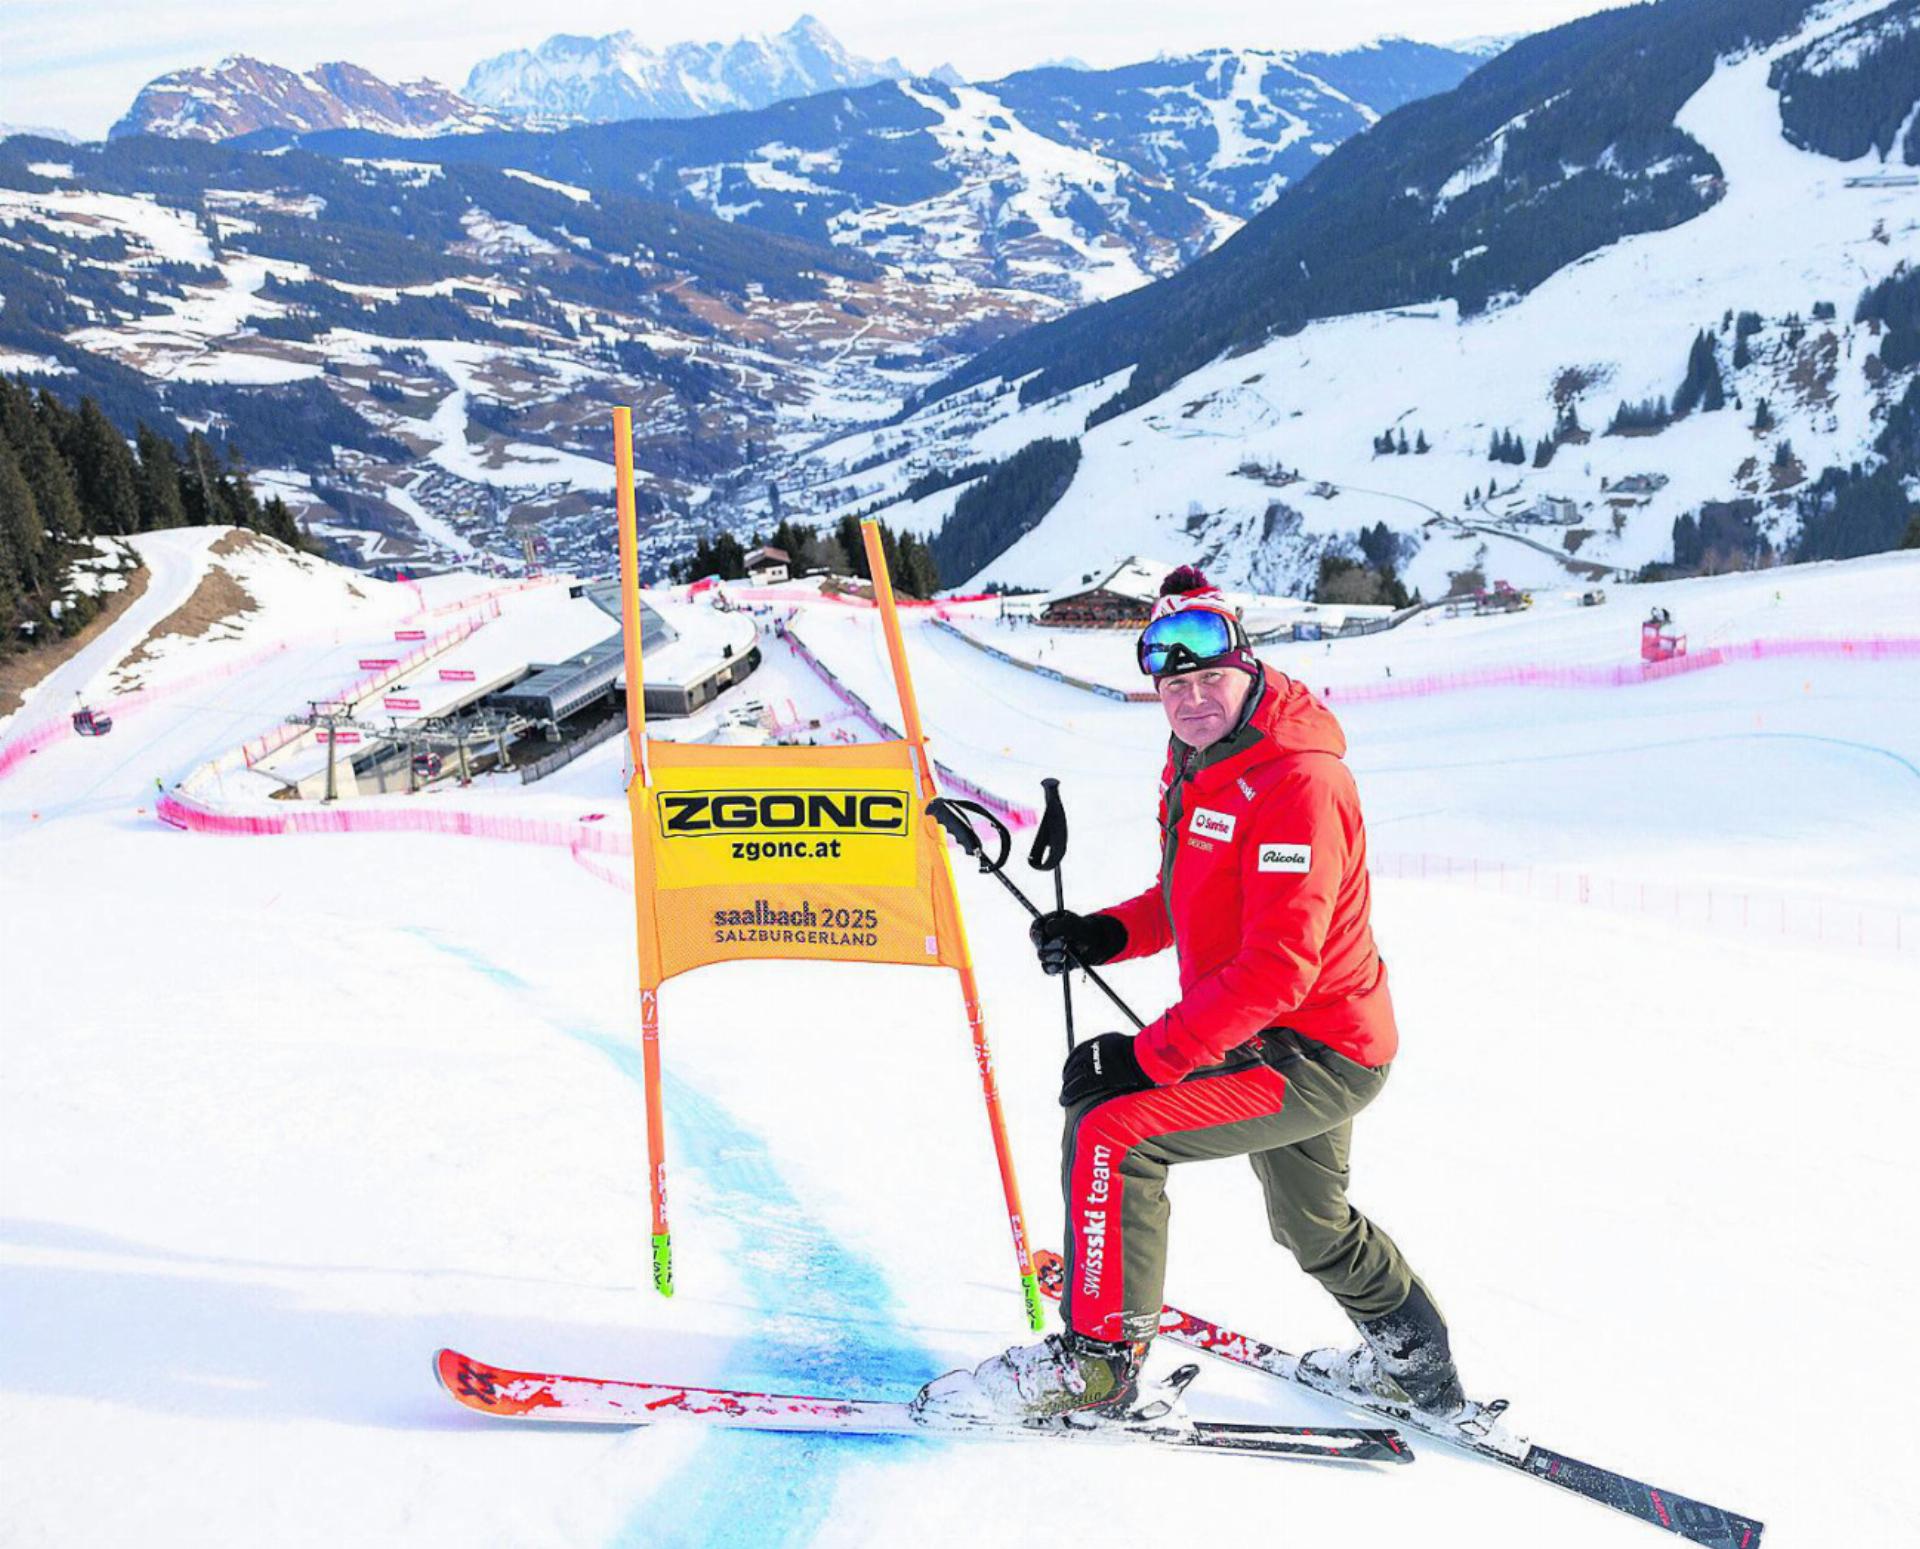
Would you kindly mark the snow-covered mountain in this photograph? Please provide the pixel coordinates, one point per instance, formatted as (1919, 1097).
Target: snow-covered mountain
(421, 357)
(1231, 126)
(597, 80)
(39, 132)
(1665, 262)
(1066, 185)
(417, 338)
(241, 95)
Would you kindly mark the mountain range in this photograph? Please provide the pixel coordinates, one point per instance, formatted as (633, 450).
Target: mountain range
(596, 80)
(242, 95)
(1673, 245)
(1073, 185)
(1639, 291)
(564, 81)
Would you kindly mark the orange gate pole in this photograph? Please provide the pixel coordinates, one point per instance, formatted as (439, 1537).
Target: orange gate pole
(642, 878)
(969, 986)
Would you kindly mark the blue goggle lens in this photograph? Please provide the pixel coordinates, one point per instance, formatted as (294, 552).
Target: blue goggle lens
(1189, 638)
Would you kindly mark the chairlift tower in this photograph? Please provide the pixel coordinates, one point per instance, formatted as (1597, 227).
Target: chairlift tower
(330, 716)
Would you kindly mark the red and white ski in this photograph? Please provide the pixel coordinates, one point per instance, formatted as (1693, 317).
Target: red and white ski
(518, 1395)
(1692, 1520)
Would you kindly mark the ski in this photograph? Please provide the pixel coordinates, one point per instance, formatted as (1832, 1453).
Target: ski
(541, 1396)
(1692, 1520)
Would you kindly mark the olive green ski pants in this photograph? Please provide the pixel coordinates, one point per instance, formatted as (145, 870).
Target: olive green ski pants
(1293, 1122)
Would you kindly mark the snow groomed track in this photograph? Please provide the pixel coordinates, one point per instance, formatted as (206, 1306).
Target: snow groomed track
(282, 1117)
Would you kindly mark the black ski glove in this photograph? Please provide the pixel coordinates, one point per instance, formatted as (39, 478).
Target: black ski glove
(1100, 1068)
(1062, 938)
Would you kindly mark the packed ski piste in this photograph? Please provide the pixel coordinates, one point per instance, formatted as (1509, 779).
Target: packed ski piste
(462, 1165)
(1283, 1033)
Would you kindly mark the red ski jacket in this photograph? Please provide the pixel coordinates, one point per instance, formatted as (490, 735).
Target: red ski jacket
(1263, 890)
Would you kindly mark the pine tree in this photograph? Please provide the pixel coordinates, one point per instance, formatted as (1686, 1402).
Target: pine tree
(1420, 446)
(42, 464)
(276, 521)
(848, 532)
(199, 479)
(917, 577)
(236, 493)
(1701, 387)
(159, 482)
(105, 475)
(20, 522)
(10, 598)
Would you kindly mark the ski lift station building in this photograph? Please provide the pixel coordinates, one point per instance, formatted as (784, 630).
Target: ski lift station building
(552, 664)
(686, 662)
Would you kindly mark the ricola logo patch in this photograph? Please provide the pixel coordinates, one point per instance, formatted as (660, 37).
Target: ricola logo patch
(1286, 857)
(1209, 824)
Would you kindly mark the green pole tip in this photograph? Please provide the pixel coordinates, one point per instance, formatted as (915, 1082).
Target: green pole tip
(663, 1263)
(1036, 1314)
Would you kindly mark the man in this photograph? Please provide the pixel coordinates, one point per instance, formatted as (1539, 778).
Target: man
(1283, 1031)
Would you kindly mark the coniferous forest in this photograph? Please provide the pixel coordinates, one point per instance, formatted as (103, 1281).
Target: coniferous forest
(67, 476)
(1004, 505)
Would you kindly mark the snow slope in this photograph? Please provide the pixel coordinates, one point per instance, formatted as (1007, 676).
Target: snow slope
(283, 1115)
(1182, 474)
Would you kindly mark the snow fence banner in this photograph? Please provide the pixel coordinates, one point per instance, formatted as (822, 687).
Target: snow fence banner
(786, 852)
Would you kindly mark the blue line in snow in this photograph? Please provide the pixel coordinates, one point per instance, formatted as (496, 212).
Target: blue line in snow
(828, 1324)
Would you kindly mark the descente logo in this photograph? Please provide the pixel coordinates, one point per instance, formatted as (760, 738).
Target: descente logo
(1286, 857)
(1210, 824)
(696, 814)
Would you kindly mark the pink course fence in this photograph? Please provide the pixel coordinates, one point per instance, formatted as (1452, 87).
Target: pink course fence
(372, 682)
(59, 727)
(467, 604)
(1767, 915)
(1873, 648)
(183, 811)
(17, 749)
(1013, 815)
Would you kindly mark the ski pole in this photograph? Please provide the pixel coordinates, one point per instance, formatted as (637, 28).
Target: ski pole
(951, 813)
(1049, 849)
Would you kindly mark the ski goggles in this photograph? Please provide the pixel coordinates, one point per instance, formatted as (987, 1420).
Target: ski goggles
(1189, 638)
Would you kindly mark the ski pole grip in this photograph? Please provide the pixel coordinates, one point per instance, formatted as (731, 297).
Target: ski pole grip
(1050, 837)
(956, 817)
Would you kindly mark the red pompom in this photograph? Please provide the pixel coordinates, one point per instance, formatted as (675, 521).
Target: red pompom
(1187, 579)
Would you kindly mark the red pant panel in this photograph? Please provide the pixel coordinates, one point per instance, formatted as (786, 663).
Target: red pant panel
(1115, 1194)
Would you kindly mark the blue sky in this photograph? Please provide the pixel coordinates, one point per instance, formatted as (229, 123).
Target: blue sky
(76, 66)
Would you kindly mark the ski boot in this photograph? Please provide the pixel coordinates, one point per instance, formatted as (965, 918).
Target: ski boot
(1406, 1361)
(1064, 1377)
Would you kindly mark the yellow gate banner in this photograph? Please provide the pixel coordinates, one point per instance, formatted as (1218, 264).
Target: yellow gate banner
(787, 852)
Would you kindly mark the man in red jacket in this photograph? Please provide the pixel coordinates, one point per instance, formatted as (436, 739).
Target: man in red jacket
(1283, 1031)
